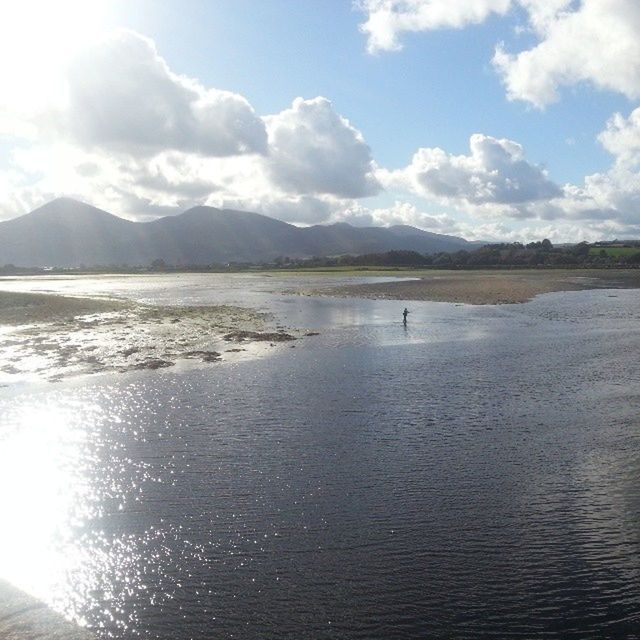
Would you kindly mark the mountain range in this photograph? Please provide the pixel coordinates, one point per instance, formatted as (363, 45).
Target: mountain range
(69, 233)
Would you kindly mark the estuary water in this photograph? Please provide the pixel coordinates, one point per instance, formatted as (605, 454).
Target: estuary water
(473, 475)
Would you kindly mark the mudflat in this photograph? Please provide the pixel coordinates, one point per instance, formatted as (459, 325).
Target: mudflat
(490, 287)
(49, 337)
(29, 308)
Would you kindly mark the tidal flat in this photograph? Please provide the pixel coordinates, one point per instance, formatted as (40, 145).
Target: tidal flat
(51, 336)
(487, 287)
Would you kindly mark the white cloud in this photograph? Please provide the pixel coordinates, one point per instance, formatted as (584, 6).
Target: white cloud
(621, 137)
(400, 213)
(123, 95)
(117, 94)
(610, 198)
(495, 173)
(495, 189)
(387, 19)
(314, 150)
(557, 232)
(598, 42)
(616, 193)
(18, 196)
(578, 41)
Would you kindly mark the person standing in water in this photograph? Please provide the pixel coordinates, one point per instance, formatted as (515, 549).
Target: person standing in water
(405, 313)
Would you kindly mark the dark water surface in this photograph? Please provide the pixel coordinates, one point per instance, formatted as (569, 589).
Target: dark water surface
(474, 476)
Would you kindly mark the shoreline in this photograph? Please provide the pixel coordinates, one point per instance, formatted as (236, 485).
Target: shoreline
(486, 287)
(23, 617)
(49, 337)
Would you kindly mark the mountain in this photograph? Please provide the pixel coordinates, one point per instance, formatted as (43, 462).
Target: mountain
(68, 233)
(205, 235)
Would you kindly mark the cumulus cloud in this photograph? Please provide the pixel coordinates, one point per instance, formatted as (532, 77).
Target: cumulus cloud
(557, 232)
(610, 198)
(122, 94)
(598, 42)
(608, 201)
(616, 193)
(495, 172)
(314, 150)
(621, 137)
(400, 213)
(592, 41)
(495, 184)
(387, 19)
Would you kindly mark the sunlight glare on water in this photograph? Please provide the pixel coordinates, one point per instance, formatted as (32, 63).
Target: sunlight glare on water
(47, 494)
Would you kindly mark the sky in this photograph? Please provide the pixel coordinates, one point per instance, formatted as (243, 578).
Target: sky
(510, 120)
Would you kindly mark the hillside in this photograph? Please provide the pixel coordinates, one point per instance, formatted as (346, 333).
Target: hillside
(68, 233)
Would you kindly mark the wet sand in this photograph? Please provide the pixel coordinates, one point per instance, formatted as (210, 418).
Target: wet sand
(30, 308)
(50, 337)
(489, 287)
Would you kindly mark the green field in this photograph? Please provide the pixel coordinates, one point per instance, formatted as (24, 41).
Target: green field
(614, 252)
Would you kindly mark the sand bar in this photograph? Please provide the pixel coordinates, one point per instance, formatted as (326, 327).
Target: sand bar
(489, 287)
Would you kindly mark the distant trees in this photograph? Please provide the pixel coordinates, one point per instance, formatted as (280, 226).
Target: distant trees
(158, 265)
(499, 255)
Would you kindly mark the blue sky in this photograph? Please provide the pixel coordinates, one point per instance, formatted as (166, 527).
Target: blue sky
(390, 91)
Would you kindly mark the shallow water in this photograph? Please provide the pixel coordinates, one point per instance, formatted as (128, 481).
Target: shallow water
(473, 475)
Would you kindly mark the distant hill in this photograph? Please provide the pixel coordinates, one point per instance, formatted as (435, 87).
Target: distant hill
(68, 233)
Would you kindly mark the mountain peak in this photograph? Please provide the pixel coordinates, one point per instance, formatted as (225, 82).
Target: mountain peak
(201, 209)
(67, 232)
(68, 200)
(68, 207)
(206, 213)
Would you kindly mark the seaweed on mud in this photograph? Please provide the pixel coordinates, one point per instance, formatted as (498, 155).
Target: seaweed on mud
(130, 351)
(260, 336)
(151, 363)
(205, 356)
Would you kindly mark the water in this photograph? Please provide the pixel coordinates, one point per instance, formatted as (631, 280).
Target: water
(475, 476)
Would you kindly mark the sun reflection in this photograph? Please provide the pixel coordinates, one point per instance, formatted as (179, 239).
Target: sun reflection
(42, 488)
(69, 484)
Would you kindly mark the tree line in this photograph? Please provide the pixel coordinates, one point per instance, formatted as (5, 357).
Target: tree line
(506, 255)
